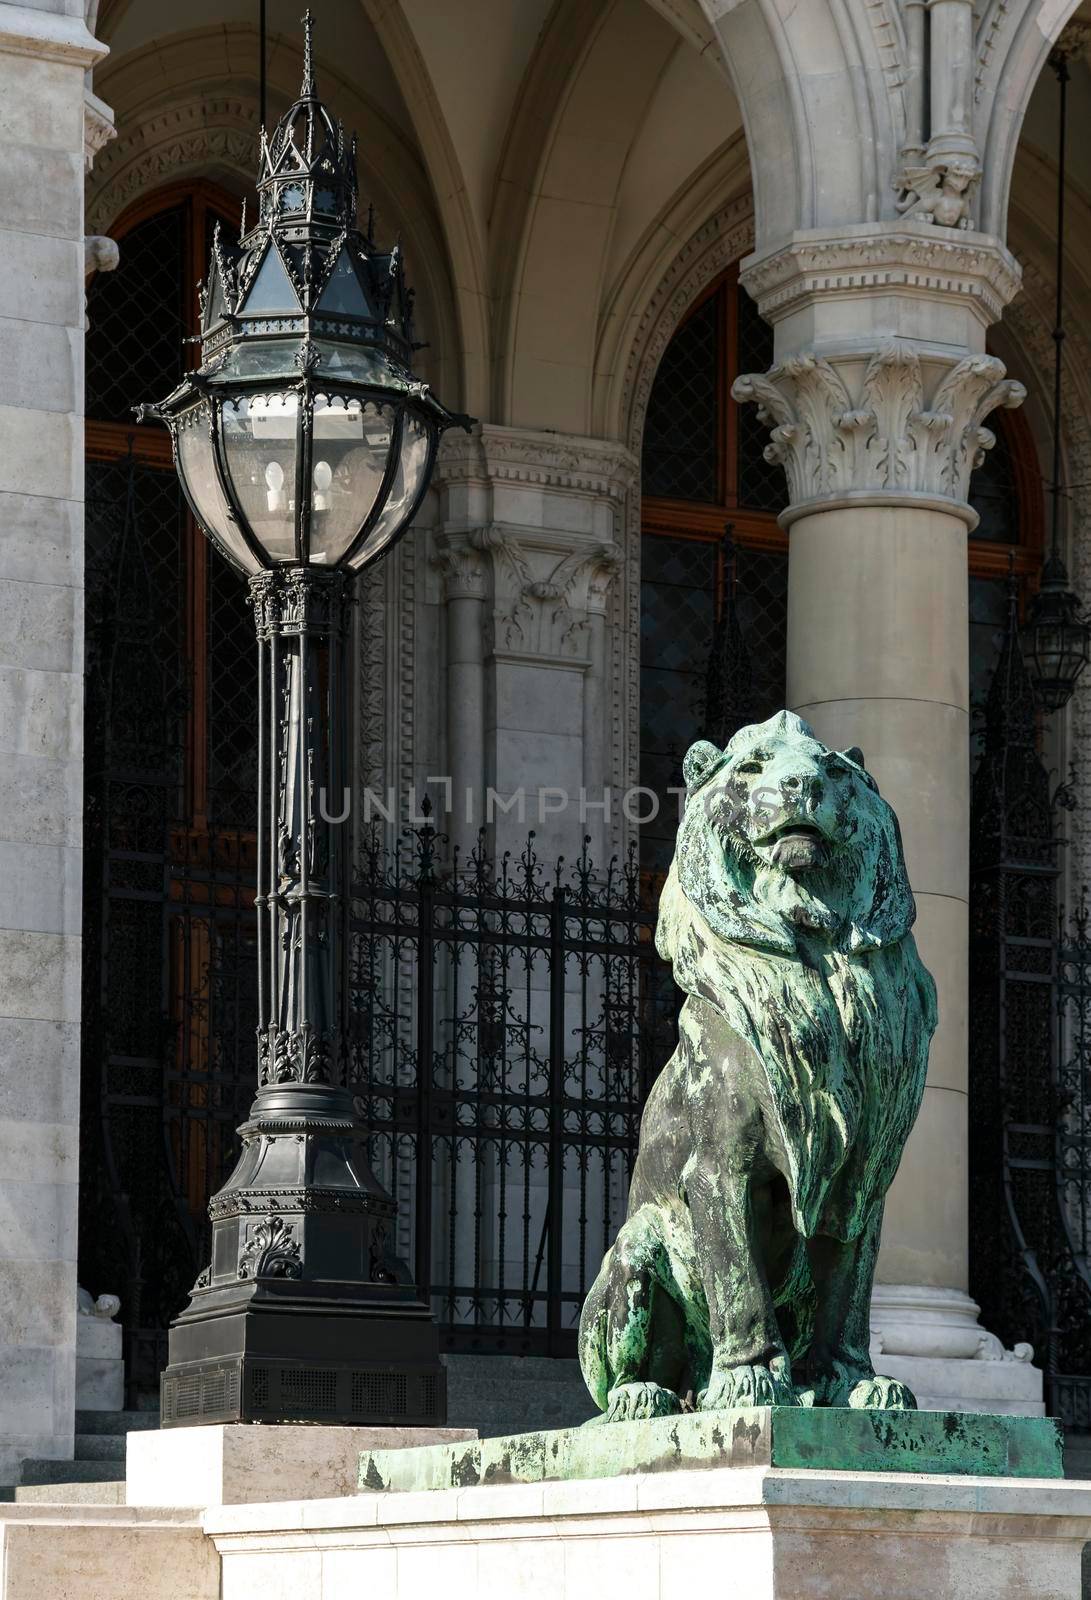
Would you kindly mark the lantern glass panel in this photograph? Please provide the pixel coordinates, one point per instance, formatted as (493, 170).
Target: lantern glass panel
(196, 459)
(407, 484)
(351, 449)
(261, 444)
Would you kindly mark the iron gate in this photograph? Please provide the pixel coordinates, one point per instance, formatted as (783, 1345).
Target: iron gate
(509, 1022)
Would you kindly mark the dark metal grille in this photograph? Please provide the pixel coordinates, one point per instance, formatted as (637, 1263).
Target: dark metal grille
(679, 579)
(994, 491)
(762, 485)
(683, 422)
(508, 1024)
(677, 611)
(136, 319)
(232, 678)
(761, 603)
(169, 1061)
(1030, 1070)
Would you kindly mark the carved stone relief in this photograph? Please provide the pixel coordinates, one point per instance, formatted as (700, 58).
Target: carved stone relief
(890, 436)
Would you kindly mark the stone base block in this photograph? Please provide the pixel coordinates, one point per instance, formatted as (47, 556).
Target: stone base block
(751, 1534)
(932, 1339)
(231, 1463)
(100, 1366)
(100, 1384)
(825, 1438)
(1002, 1388)
(105, 1553)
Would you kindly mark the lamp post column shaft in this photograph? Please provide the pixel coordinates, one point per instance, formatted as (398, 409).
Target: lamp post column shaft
(301, 619)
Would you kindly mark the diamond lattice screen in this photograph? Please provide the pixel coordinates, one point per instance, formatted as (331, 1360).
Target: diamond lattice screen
(683, 421)
(136, 320)
(762, 485)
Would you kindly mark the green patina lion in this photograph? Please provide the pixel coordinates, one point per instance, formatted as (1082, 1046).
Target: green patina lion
(742, 1275)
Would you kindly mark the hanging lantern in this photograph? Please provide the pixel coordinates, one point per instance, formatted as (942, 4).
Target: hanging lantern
(303, 439)
(1056, 638)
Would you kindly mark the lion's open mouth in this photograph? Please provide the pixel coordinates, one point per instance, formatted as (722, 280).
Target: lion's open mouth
(791, 830)
(792, 846)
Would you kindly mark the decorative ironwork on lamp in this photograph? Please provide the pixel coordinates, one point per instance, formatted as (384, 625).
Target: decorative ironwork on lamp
(304, 446)
(1056, 637)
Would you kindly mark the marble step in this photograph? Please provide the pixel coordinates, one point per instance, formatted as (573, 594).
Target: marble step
(107, 1492)
(116, 1422)
(512, 1394)
(35, 1471)
(100, 1447)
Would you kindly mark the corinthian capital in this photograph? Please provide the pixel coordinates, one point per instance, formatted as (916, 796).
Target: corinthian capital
(882, 436)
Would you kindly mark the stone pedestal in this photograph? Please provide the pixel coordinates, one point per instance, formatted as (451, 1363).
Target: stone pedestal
(832, 1438)
(763, 1533)
(100, 1367)
(233, 1463)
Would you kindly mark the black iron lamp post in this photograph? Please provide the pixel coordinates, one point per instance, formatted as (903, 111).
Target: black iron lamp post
(1056, 637)
(304, 446)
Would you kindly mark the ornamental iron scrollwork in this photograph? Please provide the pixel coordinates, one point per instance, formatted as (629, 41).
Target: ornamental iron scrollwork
(271, 1251)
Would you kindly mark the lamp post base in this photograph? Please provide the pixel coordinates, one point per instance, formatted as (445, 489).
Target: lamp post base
(301, 1358)
(302, 1315)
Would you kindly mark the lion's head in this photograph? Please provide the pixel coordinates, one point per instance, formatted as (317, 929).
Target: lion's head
(781, 834)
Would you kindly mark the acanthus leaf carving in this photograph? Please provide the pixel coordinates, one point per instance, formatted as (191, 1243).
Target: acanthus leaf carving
(889, 439)
(271, 1251)
(297, 1055)
(541, 597)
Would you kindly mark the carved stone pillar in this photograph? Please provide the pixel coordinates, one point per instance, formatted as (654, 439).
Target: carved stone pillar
(460, 559)
(528, 549)
(877, 404)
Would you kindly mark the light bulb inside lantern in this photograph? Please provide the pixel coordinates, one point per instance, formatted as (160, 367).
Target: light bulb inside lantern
(274, 483)
(323, 477)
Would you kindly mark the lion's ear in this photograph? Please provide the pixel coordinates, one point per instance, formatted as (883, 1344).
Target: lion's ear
(700, 760)
(856, 756)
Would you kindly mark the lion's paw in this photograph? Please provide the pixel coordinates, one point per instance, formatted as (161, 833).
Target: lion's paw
(882, 1394)
(632, 1402)
(756, 1385)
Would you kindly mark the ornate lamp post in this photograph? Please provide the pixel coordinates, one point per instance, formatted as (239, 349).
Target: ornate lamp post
(304, 446)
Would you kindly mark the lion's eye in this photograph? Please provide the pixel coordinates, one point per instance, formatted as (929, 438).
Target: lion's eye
(749, 766)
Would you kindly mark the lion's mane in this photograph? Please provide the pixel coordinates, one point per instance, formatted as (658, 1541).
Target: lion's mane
(844, 1048)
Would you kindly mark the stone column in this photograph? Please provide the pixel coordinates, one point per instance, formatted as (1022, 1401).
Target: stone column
(528, 547)
(459, 557)
(878, 404)
(44, 54)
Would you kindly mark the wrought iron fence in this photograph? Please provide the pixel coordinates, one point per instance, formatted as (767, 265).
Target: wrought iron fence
(1069, 1351)
(1030, 1054)
(509, 1021)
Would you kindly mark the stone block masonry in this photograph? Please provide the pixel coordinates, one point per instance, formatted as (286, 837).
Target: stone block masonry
(45, 51)
(760, 1533)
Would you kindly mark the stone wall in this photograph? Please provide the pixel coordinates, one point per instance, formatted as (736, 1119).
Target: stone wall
(44, 53)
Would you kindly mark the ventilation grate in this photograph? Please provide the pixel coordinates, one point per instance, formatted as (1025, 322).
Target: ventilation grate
(380, 1394)
(309, 1391)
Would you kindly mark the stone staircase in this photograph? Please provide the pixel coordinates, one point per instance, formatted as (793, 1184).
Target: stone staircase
(515, 1394)
(96, 1475)
(493, 1393)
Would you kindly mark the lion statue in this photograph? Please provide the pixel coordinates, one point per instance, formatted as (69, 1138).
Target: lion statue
(742, 1274)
